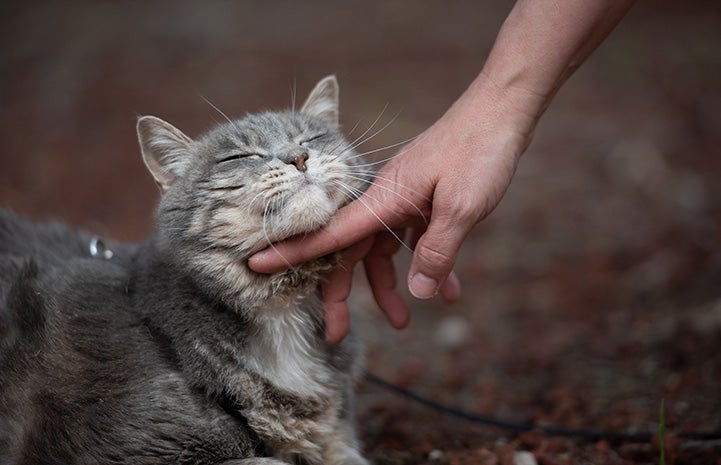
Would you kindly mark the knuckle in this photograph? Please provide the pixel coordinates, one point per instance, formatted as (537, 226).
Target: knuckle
(434, 258)
(464, 207)
(462, 211)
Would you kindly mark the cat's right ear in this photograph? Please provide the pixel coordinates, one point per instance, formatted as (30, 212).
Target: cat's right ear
(166, 150)
(323, 101)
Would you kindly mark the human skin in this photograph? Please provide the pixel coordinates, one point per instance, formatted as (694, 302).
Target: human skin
(455, 173)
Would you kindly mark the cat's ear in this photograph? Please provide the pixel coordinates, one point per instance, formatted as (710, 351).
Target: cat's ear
(166, 150)
(323, 101)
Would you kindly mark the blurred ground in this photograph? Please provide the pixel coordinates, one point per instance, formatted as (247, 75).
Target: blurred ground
(591, 294)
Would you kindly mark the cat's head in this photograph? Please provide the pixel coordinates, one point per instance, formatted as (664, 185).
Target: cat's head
(250, 182)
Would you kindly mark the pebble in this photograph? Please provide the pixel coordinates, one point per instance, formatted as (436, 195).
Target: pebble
(435, 455)
(452, 332)
(524, 458)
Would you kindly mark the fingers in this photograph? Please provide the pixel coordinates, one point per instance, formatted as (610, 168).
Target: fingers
(381, 275)
(451, 288)
(378, 252)
(336, 315)
(435, 254)
(337, 321)
(336, 290)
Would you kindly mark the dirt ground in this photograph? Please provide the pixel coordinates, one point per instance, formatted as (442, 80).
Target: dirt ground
(591, 295)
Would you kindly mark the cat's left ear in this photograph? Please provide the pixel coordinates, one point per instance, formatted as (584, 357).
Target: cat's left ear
(166, 150)
(323, 101)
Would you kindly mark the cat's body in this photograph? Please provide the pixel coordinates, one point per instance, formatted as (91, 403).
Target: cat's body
(173, 351)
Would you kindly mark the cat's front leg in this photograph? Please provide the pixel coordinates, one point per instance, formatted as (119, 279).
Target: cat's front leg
(342, 446)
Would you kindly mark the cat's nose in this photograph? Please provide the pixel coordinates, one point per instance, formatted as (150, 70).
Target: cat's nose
(299, 161)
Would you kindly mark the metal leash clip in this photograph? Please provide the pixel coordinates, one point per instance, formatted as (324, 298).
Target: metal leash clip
(98, 249)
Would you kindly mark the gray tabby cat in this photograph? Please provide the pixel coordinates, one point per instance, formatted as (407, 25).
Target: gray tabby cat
(174, 351)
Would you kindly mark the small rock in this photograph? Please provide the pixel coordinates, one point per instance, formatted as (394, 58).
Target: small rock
(523, 457)
(435, 455)
(452, 332)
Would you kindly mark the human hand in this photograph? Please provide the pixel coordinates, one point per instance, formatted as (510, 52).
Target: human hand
(431, 194)
(457, 171)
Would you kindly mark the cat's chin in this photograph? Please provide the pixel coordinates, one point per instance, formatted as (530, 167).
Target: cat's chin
(309, 209)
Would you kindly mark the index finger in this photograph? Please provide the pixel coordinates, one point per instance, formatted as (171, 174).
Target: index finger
(348, 226)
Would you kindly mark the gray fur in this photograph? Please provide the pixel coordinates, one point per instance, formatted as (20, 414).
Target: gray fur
(173, 350)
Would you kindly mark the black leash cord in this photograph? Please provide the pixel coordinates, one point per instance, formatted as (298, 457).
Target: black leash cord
(557, 431)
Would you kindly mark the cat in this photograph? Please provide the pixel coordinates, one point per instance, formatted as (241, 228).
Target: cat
(173, 350)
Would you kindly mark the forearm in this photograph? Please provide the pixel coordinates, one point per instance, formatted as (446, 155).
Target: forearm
(541, 43)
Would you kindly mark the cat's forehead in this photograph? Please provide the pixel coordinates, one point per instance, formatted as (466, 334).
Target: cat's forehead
(263, 129)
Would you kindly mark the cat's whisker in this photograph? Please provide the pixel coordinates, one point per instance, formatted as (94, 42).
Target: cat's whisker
(293, 94)
(342, 140)
(410, 142)
(373, 175)
(392, 191)
(358, 197)
(230, 121)
(267, 235)
(332, 155)
(253, 200)
(355, 126)
(361, 139)
(352, 147)
(343, 145)
(385, 107)
(347, 192)
(323, 151)
(385, 126)
(378, 162)
(380, 149)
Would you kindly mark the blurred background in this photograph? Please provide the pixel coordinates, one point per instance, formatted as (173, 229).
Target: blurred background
(591, 294)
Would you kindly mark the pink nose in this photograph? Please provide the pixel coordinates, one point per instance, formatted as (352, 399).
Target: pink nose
(299, 161)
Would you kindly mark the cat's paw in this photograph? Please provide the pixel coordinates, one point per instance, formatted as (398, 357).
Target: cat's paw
(347, 456)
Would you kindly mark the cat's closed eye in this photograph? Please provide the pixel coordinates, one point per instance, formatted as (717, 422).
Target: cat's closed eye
(239, 155)
(305, 142)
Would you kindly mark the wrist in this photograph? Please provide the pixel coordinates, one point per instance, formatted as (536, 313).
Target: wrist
(503, 112)
(539, 46)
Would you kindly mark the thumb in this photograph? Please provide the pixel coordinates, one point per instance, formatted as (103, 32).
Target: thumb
(435, 254)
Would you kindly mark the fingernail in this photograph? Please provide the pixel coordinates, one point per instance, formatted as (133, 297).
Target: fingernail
(262, 254)
(423, 287)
